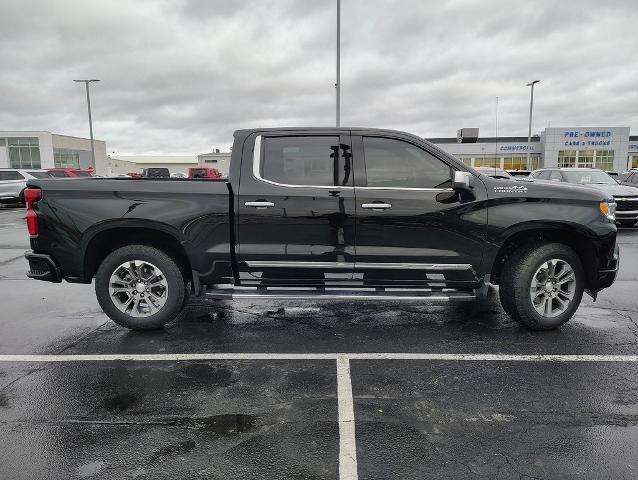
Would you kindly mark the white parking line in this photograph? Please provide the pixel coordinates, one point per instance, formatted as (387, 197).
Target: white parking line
(347, 442)
(476, 357)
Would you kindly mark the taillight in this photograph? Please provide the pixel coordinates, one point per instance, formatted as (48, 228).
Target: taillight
(31, 196)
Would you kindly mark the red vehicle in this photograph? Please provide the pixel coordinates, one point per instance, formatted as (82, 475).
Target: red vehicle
(70, 172)
(203, 172)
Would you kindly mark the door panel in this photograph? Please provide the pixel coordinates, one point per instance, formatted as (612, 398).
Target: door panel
(296, 210)
(424, 232)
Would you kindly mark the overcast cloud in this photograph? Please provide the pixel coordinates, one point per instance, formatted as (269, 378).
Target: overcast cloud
(180, 76)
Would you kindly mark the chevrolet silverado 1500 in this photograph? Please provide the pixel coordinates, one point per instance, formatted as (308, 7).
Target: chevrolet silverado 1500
(324, 213)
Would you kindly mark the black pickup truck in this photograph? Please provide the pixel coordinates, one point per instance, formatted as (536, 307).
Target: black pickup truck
(325, 213)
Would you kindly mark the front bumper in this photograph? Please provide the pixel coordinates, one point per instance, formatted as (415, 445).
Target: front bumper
(608, 275)
(42, 267)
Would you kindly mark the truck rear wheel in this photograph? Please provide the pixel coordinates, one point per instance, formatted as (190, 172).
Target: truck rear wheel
(542, 285)
(140, 287)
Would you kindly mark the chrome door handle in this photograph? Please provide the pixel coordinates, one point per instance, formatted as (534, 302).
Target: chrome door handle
(260, 204)
(376, 206)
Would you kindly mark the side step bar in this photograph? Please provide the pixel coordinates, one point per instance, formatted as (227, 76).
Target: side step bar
(393, 294)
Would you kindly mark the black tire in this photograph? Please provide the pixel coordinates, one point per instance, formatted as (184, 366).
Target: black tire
(174, 277)
(516, 279)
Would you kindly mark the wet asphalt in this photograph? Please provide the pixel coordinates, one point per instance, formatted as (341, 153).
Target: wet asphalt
(278, 419)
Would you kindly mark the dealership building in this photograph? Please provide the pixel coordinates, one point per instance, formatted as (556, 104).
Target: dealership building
(19, 149)
(608, 148)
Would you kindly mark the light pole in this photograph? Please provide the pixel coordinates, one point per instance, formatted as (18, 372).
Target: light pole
(88, 103)
(529, 131)
(338, 82)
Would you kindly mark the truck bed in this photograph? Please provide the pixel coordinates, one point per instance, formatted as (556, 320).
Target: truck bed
(194, 213)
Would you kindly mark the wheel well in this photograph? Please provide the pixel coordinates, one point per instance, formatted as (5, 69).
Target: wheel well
(579, 242)
(110, 240)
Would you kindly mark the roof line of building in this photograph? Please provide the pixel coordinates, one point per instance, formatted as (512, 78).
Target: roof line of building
(484, 139)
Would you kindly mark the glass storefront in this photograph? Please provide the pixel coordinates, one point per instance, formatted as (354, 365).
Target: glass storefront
(64, 158)
(506, 163)
(634, 161)
(603, 159)
(24, 152)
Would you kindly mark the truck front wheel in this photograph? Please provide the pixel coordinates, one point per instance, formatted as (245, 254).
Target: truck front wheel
(542, 285)
(140, 287)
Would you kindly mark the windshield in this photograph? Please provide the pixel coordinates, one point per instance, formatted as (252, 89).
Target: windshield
(588, 177)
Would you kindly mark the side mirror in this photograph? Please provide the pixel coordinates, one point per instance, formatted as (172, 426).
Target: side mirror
(462, 180)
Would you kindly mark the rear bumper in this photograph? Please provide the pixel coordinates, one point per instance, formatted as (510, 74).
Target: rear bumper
(42, 267)
(10, 199)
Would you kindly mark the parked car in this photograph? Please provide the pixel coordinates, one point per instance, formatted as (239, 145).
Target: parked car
(156, 172)
(178, 175)
(629, 178)
(519, 173)
(626, 197)
(70, 172)
(330, 213)
(494, 172)
(13, 181)
(203, 172)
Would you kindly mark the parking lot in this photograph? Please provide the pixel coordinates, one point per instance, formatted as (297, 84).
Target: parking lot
(256, 390)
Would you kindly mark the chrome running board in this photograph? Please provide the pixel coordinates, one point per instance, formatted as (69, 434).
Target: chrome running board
(331, 293)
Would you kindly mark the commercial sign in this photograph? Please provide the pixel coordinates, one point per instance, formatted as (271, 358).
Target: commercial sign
(633, 147)
(517, 148)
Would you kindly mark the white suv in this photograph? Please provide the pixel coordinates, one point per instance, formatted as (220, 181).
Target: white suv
(14, 180)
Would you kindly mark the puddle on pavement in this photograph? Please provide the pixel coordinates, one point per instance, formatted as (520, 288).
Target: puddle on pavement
(173, 449)
(227, 424)
(119, 403)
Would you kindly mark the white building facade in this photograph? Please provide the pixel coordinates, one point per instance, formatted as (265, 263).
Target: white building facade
(216, 159)
(38, 149)
(608, 148)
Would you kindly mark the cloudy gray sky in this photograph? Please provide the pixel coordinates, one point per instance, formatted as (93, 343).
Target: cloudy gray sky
(179, 76)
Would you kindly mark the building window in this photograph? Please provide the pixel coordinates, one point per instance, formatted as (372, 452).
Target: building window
(535, 161)
(210, 161)
(634, 161)
(64, 158)
(24, 152)
(585, 158)
(487, 162)
(566, 158)
(465, 159)
(515, 163)
(605, 160)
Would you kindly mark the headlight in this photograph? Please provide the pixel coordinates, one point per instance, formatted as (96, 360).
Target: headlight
(608, 209)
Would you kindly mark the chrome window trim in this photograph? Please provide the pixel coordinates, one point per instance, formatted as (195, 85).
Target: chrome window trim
(257, 175)
(360, 265)
(410, 189)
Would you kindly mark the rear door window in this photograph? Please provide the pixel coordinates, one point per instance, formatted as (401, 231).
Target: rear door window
(58, 173)
(555, 175)
(10, 175)
(312, 161)
(397, 164)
